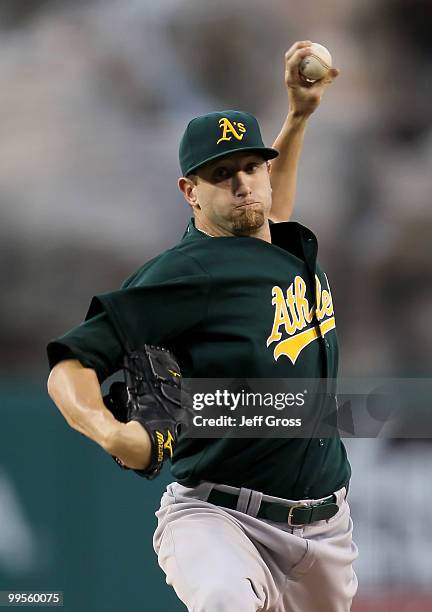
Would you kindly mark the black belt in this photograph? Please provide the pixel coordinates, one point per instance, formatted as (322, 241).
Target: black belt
(294, 515)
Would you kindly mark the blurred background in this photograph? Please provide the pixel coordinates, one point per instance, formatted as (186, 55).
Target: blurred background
(94, 97)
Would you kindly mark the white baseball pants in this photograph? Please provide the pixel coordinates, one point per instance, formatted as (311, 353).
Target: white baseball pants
(223, 560)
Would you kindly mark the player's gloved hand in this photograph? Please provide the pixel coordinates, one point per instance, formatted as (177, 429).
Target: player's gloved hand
(304, 97)
(152, 396)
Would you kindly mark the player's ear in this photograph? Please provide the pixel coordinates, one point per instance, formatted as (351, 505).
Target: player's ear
(188, 188)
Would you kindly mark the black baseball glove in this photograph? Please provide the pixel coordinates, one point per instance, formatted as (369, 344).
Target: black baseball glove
(152, 396)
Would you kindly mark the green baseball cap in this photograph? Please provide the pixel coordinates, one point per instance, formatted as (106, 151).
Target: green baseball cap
(219, 134)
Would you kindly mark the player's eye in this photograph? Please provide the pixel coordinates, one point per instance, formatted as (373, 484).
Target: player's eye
(221, 174)
(252, 166)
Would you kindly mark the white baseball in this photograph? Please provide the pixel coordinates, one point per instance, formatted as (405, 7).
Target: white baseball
(315, 66)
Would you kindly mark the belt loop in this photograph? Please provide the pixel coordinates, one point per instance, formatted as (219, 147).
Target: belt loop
(341, 495)
(254, 503)
(347, 489)
(205, 489)
(243, 500)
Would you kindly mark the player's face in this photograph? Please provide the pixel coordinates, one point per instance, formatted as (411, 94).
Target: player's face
(233, 194)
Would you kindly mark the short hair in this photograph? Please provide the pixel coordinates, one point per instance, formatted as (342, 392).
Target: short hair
(193, 177)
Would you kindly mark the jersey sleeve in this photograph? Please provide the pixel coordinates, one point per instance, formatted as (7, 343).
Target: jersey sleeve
(154, 313)
(94, 343)
(154, 306)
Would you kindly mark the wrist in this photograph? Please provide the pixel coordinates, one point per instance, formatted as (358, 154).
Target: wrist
(130, 443)
(297, 119)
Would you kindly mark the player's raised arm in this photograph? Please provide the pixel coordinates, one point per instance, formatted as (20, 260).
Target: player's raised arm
(303, 98)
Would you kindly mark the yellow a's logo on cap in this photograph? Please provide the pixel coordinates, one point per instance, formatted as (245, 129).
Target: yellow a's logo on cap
(230, 128)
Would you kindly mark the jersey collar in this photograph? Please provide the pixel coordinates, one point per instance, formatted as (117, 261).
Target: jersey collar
(282, 234)
(193, 233)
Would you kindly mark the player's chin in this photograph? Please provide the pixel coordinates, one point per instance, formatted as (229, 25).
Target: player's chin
(248, 219)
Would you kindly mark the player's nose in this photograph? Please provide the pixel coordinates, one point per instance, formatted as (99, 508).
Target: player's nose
(241, 184)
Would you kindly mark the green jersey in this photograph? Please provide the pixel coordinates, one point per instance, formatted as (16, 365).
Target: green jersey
(229, 307)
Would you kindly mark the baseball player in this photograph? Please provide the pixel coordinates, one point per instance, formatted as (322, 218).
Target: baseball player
(248, 524)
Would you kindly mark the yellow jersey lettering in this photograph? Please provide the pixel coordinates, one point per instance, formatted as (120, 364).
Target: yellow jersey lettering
(327, 306)
(294, 313)
(281, 316)
(305, 315)
(291, 303)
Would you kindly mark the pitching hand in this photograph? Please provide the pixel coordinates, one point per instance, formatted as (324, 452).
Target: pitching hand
(304, 97)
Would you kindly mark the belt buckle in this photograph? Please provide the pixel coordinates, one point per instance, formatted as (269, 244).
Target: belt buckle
(290, 524)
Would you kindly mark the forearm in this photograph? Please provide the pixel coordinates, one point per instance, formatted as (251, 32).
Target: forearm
(76, 392)
(283, 171)
(303, 99)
